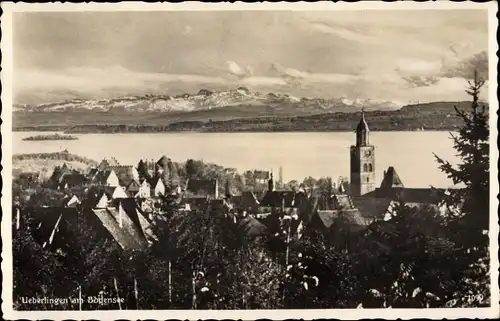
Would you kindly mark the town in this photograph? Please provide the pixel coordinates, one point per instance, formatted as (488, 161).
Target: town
(199, 236)
(125, 200)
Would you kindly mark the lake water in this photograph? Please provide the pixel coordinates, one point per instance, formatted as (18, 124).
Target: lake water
(299, 154)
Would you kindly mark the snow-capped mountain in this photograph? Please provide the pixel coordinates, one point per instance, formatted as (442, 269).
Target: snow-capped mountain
(203, 100)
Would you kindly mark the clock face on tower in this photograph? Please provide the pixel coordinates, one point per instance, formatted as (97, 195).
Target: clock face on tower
(368, 153)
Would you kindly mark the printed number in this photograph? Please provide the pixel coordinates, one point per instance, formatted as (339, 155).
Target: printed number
(475, 298)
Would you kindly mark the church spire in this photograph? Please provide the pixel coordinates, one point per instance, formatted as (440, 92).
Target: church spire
(362, 130)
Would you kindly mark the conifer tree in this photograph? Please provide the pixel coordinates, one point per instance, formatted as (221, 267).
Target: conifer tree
(472, 147)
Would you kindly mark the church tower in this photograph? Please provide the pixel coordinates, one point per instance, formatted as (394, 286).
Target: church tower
(362, 161)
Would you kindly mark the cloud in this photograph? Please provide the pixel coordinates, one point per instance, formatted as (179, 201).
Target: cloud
(96, 80)
(421, 81)
(238, 71)
(465, 67)
(343, 32)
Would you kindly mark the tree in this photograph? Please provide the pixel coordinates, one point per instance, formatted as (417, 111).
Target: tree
(472, 146)
(470, 223)
(193, 168)
(143, 170)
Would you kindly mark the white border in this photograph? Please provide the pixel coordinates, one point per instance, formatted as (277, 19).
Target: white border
(6, 129)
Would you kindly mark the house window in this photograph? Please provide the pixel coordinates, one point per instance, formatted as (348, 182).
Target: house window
(365, 168)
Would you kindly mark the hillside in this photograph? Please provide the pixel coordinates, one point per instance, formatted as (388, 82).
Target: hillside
(45, 163)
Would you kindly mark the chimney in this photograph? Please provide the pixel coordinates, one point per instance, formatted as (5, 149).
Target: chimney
(216, 189)
(18, 218)
(120, 215)
(270, 183)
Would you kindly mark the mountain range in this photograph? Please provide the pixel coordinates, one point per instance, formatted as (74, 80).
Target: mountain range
(232, 110)
(208, 100)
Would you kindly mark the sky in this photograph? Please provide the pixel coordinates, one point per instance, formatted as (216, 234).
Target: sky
(397, 56)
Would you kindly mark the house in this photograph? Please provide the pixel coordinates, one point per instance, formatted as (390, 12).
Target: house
(252, 227)
(106, 177)
(123, 222)
(71, 180)
(144, 189)
(126, 174)
(261, 177)
(247, 202)
(133, 188)
(157, 187)
(380, 202)
(96, 197)
(107, 163)
(58, 172)
(203, 188)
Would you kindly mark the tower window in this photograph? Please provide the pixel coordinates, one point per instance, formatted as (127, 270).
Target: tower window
(367, 179)
(365, 168)
(370, 167)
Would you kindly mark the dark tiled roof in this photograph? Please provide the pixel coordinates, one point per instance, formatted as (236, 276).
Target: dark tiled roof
(252, 227)
(125, 174)
(133, 187)
(245, 200)
(73, 179)
(195, 202)
(202, 187)
(163, 162)
(94, 195)
(53, 221)
(278, 199)
(328, 217)
(391, 179)
(373, 207)
(127, 235)
(413, 195)
(102, 176)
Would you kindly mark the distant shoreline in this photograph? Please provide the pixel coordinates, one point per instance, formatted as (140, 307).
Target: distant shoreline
(409, 118)
(41, 129)
(50, 137)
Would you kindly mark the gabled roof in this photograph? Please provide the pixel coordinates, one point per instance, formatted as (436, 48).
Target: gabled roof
(73, 179)
(327, 217)
(202, 187)
(133, 186)
(163, 162)
(92, 173)
(247, 199)
(53, 220)
(278, 199)
(125, 233)
(94, 195)
(102, 176)
(125, 174)
(334, 219)
(372, 207)
(391, 179)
